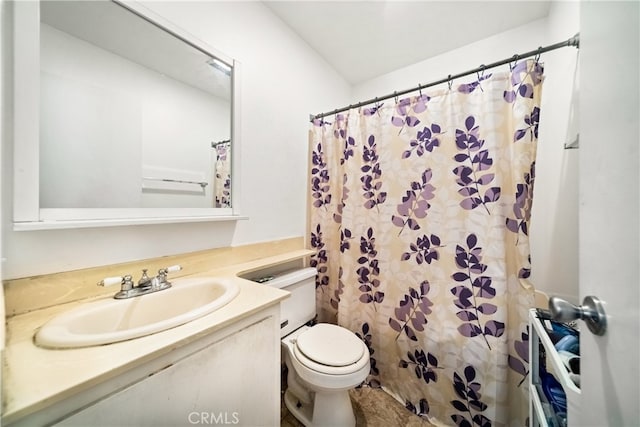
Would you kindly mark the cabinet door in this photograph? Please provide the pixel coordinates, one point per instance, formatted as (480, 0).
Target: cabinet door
(234, 381)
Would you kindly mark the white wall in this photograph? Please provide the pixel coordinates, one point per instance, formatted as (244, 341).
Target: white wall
(282, 81)
(553, 230)
(90, 154)
(554, 223)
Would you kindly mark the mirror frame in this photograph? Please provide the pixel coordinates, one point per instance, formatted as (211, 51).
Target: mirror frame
(27, 213)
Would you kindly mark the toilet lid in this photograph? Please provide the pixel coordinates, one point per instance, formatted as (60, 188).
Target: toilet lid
(330, 345)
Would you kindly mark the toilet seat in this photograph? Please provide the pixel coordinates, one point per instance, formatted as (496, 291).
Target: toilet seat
(330, 349)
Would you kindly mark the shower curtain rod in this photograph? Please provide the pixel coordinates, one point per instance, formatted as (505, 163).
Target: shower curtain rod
(573, 41)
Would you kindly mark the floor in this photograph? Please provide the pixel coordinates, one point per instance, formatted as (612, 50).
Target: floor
(373, 408)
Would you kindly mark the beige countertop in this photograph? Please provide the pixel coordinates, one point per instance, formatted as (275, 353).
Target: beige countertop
(34, 378)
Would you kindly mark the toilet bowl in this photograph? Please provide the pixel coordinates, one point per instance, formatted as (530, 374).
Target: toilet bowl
(324, 361)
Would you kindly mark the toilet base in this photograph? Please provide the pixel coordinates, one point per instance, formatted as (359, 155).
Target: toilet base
(327, 409)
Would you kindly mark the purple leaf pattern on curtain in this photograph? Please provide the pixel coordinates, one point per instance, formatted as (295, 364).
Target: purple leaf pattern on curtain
(469, 402)
(320, 122)
(405, 109)
(531, 120)
(520, 361)
(369, 271)
(365, 336)
(345, 237)
(524, 76)
(319, 260)
(421, 410)
(335, 300)
(424, 365)
(525, 271)
(419, 214)
(340, 134)
(426, 140)
(415, 203)
(474, 286)
(470, 87)
(523, 204)
(337, 215)
(372, 174)
(370, 111)
(471, 178)
(222, 183)
(319, 179)
(411, 314)
(424, 249)
(349, 145)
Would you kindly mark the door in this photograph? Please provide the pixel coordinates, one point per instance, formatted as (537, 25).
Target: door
(609, 209)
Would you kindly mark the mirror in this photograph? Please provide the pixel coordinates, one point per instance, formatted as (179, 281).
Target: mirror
(134, 116)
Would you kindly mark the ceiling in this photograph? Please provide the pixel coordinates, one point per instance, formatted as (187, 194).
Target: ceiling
(365, 39)
(109, 26)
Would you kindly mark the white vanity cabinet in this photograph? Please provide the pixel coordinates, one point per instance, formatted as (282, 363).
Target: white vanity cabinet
(229, 377)
(542, 350)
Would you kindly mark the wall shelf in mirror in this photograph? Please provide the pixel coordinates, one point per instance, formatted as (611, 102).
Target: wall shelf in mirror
(107, 92)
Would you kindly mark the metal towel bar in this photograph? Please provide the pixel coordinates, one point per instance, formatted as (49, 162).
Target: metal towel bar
(202, 184)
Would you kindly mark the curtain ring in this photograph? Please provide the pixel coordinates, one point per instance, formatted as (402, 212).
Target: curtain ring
(420, 89)
(482, 68)
(395, 96)
(515, 61)
(537, 58)
(450, 81)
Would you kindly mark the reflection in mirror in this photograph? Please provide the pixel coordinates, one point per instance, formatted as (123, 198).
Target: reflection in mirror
(131, 116)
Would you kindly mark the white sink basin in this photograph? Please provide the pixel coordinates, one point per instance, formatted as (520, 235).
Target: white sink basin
(108, 321)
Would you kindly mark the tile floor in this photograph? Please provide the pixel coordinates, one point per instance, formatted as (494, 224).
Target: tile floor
(373, 408)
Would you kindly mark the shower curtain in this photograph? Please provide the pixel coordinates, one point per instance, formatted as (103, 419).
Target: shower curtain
(222, 181)
(419, 217)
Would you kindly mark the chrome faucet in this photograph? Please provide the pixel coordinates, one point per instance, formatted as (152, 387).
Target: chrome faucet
(144, 280)
(146, 284)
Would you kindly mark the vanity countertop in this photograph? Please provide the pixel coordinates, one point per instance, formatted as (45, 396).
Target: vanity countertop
(34, 378)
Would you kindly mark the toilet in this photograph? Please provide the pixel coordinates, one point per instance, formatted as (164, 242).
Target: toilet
(324, 361)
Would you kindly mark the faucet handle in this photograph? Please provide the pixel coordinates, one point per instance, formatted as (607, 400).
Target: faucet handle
(125, 281)
(109, 281)
(170, 269)
(162, 274)
(173, 268)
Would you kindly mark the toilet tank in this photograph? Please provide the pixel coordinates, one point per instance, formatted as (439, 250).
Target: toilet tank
(300, 307)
